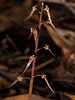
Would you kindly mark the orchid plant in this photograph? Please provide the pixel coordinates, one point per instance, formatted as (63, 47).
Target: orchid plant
(32, 58)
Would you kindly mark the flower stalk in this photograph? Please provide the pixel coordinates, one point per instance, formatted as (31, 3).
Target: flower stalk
(34, 61)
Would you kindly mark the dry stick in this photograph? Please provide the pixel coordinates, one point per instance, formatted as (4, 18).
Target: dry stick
(64, 80)
(19, 58)
(8, 56)
(34, 61)
(12, 43)
(43, 64)
(71, 9)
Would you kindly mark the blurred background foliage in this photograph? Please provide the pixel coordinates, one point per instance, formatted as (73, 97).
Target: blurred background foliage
(16, 48)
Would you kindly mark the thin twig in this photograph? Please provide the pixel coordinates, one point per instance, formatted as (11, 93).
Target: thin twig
(42, 65)
(12, 43)
(64, 80)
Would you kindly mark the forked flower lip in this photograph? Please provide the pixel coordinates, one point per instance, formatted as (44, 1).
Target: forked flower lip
(34, 8)
(19, 78)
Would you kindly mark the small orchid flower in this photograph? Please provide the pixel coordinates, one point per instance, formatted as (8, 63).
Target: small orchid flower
(44, 77)
(32, 11)
(28, 64)
(48, 13)
(49, 16)
(18, 79)
(46, 47)
(35, 33)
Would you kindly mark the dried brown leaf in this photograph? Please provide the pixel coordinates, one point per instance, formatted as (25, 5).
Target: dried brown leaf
(70, 96)
(25, 97)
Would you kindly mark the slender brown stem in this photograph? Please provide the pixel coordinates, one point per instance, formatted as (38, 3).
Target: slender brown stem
(37, 75)
(34, 61)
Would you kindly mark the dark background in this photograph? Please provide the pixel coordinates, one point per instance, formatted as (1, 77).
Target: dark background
(16, 48)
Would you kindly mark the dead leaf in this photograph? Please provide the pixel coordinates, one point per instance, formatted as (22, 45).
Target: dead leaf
(25, 97)
(59, 39)
(70, 96)
(5, 23)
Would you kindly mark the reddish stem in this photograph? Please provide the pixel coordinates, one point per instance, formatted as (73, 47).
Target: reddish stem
(34, 61)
